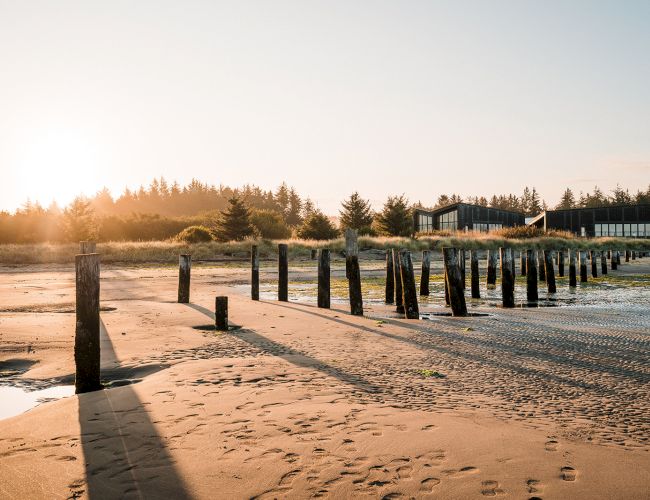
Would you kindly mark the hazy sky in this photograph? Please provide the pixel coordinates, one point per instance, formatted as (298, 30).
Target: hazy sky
(414, 97)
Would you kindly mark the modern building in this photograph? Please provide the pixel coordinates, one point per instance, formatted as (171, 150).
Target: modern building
(466, 217)
(629, 221)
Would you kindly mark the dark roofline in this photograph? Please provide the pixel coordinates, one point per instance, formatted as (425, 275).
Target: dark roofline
(456, 205)
(624, 205)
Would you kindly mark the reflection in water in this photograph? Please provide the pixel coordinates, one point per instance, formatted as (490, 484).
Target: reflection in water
(16, 400)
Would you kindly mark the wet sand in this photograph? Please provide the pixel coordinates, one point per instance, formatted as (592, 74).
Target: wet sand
(298, 401)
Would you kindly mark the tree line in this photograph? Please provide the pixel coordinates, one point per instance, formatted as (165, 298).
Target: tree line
(202, 212)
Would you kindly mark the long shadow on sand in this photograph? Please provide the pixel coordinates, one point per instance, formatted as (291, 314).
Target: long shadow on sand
(124, 454)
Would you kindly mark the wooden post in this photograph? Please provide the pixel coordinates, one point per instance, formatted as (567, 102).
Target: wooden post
(603, 263)
(426, 271)
(491, 268)
(87, 247)
(507, 279)
(354, 287)
(531, 276)
(540, 265)
(313, 254)
(513, 263)
(453, 279)
(324, 279)
(594, 264)
(627, 256)
(583, 266)
(560, 263)
(549, 271)
(522, 262)
(255, 273)
(184, 269)
(473, 264)
(633, 254)
(399, 297)
(390, 278)
(283, 272)
(572, 268)
(221, 313)
(612, 260)
(618, 257)
(86, 341)
(462, 260)
(351, 248)
(411, 308)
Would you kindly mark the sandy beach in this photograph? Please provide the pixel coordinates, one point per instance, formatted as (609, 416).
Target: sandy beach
(298, 402)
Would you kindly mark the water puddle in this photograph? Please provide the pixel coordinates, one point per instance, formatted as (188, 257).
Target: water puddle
(17, 400)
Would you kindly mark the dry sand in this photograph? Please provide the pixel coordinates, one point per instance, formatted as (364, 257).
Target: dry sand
(301, 402)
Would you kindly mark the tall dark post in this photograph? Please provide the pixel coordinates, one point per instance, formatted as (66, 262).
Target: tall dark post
(540, 265)
(399, 297)
(513, 263)
(390, 278)
(313, 255)
(583, 266)
(594, 264)
(507, 279)
(531, 276)
(461, 263)
(184, 269)
(473, 264)
(572, 268)
(426, 271)
(351, 248)
(453, 279)
(411, 308)
(324, 279)
(221, 313)
(603, 263)
(491, 268)
(560, 263)
(627, 256)
(549, 271)
(633, 254)
(618, 257)
(255, 273)
(522, 262)
(354, 286)
(86, 341)
(612, 260)
(283, 272)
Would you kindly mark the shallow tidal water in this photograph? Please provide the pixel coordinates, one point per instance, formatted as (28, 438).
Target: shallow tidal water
(17, 400)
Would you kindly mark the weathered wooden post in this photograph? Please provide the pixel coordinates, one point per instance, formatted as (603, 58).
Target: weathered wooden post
(513, 263)
(627, 256)
(491, 268)
(411, 308)
(473, 264)
(603, 263)
(390, 278)
(87, 247)
(86, 341)
(354, 287)
(461, 262)
(453, 279)
(541, 270)
(221, 313)
(583, 266)
(572, 268)
(184, 269)
(560, 263)
(351, 248)
(531, 277)
(283, 272)
(324, 279)
(507, 279)
(426, 272)
(633, 254)
(549, 271)
(618, 257)
(255, 273)
(522, 262)
(399, 297)
(594, 264)
(313, 254)
(612, 260)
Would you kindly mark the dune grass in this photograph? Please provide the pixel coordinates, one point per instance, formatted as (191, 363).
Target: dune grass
(168, 251)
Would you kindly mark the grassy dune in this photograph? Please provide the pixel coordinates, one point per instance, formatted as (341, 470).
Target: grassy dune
(167, 251)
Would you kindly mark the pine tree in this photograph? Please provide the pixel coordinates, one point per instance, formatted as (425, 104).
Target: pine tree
(535, 204)
(443, 201)
(308, 208)
(621, 196)
(282, 198)
(79, 221)
(567, 201)
(395, 219)
(356, 214)
(234, 222)
(295, 205)
(317, 227)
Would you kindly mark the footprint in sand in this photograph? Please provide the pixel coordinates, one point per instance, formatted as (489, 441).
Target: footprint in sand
(404, 472)
(568, 473)
(491, 489)
(533, 485)
(551, 445)
(429, 483)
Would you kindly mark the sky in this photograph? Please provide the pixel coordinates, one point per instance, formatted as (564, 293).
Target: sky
(380, 97)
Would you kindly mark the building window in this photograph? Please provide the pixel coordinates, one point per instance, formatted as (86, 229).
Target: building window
(597, 230)
(583, 231)
(448, 221)
(425, 223)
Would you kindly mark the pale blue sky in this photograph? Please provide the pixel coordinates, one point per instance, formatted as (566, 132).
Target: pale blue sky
(414, 97)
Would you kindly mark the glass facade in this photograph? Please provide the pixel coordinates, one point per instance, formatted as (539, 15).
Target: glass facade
(425, 223)
(628, 230)
(448, 221)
